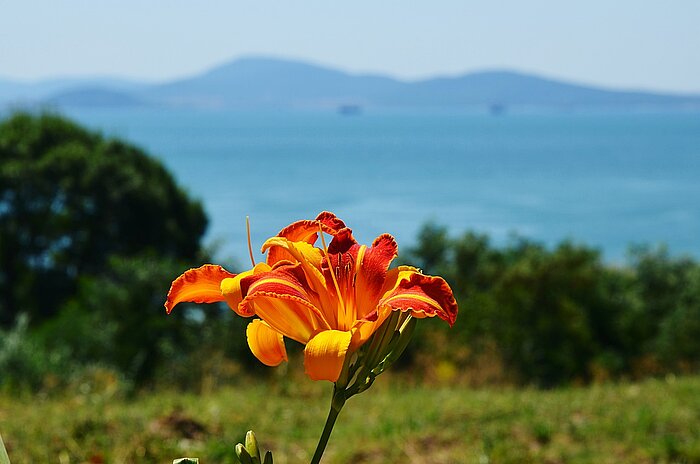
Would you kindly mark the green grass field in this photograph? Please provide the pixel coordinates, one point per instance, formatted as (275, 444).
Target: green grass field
(656, 421)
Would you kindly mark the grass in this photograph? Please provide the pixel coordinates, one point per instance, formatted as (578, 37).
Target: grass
(655, 421)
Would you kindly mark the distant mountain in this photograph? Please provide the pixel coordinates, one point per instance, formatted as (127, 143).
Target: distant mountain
(277, 83)
(518, 89)
(271, 82)
(255, 82)
(15, 92)
(94, 97)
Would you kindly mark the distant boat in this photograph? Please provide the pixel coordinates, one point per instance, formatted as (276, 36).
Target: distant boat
(350, 110)
(497, 109)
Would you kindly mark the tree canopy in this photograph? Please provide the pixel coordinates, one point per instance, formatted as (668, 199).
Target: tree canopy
(70, 200)
(562, 314)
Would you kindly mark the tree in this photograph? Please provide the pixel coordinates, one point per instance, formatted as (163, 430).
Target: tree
(70, 200)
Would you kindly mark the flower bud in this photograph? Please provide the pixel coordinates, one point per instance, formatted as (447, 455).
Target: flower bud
(251, 445)
(243, 455)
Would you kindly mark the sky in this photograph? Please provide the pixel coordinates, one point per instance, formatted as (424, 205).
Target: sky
(627, 44)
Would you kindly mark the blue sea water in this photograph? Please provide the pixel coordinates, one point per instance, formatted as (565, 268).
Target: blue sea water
(603, 179)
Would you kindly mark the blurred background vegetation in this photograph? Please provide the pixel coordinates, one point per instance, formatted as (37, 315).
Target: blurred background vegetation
(93, 230)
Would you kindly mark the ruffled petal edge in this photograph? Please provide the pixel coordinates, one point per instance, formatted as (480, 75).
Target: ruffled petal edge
(200, 285)
(423, 295)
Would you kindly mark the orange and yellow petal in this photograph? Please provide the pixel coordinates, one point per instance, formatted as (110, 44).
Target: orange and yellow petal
(310, 260)
(424, 296)
(296, 251)
(285, 279)
(266, 343)
(234, 294)
(360, 273)
(200, 285)
(325, 353)
(292, 316)
(371, 271)
(305, 231)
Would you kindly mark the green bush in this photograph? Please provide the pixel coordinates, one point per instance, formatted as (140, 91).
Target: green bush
(69, 200)
(92, 232)
(24, 363)
(561, 315)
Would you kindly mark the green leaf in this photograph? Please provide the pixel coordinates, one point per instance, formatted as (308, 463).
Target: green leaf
(4, 458)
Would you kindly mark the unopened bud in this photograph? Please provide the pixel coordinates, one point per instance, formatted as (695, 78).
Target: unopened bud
(243, 455)
(404, 335)
(251, 445)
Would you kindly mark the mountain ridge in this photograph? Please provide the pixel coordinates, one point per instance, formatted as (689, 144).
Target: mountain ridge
(255, 82)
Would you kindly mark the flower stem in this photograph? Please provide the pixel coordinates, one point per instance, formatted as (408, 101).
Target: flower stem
(336, 405)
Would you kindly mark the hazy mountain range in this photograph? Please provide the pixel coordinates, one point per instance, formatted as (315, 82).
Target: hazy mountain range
(277, 83)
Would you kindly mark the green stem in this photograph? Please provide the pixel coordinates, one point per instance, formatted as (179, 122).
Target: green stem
(336, 405)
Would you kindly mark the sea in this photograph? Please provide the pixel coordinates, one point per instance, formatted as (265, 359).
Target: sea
(604, 179)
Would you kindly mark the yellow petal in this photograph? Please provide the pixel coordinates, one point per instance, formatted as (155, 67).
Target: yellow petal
(307, 255)
(324, 355)
(311, 259)
(266, 343)
(231, 289)
(291, 316)
(201, 285)
(301, 251)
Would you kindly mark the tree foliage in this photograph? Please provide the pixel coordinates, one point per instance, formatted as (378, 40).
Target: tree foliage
(559, 315)
(92, 231)
(69, 200)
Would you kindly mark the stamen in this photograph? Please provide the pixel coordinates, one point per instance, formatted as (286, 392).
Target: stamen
(250, 246)
(330, 269)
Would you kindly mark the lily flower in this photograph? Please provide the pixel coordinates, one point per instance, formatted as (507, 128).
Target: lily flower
(330, 298)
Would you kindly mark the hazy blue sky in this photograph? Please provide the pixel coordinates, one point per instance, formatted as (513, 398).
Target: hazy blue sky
(622, 43)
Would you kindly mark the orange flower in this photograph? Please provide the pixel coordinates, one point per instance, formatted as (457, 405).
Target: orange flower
(331, 299)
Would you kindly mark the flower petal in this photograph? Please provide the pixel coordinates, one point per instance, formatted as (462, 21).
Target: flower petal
(266, 343)
(305, 231)
(330, 221)
(371, 272)
(424, 296)
(310, 259)
(324, 355)
(292, 317)
(281, 300)
(360, 272)
(201, 285)
(234, 294)
(295, 251)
